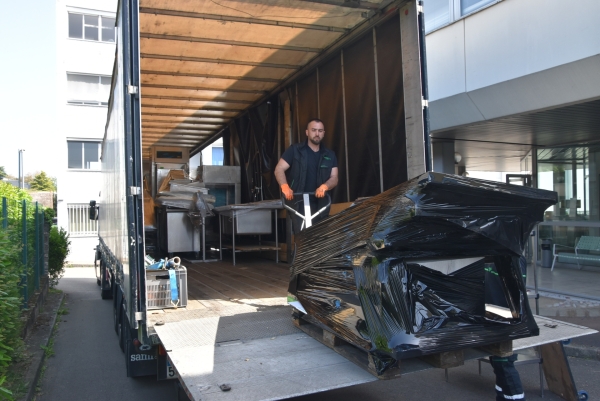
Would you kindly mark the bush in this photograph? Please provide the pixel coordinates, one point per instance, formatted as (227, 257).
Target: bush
(9, 191)
(10, 311)
(49, 216)
(57, 254)
(11, 269)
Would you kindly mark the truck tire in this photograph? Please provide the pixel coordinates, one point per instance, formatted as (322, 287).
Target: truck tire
(126, 342)
(96, 271)
(116, 310)
(105, 293)
(181, 395)
(122, 329)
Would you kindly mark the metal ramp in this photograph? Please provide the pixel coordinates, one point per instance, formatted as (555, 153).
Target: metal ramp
(551, 331)
(260, 354)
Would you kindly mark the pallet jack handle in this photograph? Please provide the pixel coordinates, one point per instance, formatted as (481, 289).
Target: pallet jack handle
(307, 217)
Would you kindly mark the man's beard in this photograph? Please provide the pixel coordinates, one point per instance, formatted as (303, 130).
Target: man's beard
(316, 140)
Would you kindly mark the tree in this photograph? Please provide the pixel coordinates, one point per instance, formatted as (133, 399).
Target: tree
(28, 178)
(2, 173)
(41, 182)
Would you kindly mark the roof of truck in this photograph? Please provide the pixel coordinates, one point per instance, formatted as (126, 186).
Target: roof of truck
(204, 62)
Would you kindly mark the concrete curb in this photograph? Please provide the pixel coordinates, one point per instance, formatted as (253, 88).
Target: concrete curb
(38, 338)
(579, 351)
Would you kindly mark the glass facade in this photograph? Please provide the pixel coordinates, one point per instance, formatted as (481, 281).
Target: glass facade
(469, 6)
(573, 173)
(217, 156)
(437, 13)
(442, 12)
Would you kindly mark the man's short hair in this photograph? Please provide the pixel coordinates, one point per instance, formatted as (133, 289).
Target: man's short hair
(316, 120)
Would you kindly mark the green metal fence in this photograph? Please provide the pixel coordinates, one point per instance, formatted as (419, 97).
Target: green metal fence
(24, 223)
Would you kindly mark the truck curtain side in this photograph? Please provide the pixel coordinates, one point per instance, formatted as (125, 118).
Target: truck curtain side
(185, 75)
(121, 248)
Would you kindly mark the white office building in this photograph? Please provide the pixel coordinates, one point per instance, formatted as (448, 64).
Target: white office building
(86, 49)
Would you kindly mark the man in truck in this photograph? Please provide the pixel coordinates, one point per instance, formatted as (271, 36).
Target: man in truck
(308, 167)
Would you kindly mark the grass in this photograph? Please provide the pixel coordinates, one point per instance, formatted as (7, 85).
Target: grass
(15, 380)
(49, 349)
(15, 376)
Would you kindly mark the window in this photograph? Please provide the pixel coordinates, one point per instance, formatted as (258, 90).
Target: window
(79, 222)
(468, 6)
(217, 156)
(83, 155)
(442, 12)
(88, 89)
(91, 27)
(437, 13)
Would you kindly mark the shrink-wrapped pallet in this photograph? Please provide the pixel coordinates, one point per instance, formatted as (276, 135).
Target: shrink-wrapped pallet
(431, 265)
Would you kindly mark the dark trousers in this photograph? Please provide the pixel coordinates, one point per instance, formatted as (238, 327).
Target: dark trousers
(508, 381)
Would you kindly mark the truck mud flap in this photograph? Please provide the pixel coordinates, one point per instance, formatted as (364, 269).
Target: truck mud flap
(138, 363)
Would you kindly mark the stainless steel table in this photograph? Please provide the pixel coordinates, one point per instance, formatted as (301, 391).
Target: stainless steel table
(249, 219)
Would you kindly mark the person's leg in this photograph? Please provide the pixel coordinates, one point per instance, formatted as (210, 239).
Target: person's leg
(523, 266)
(508, 381)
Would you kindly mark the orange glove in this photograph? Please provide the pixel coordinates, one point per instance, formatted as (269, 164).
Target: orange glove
(320, 192)
(287, 192)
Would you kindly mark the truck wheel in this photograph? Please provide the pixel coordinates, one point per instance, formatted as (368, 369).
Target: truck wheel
(96, 273)
(126, 342)
(105, 293)
(122, 330)
(116, 309)
(181, 395)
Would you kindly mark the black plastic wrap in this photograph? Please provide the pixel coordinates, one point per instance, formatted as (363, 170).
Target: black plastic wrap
(403, 274)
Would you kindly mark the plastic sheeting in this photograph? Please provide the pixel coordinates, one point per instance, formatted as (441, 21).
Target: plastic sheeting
(403, 274)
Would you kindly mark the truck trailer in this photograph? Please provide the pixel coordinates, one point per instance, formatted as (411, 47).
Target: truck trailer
(252, 72)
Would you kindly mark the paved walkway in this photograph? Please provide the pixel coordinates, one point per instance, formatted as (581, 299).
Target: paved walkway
(88, 363)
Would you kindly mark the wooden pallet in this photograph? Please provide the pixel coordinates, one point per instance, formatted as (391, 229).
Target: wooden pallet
(345, 349)
(442, 360)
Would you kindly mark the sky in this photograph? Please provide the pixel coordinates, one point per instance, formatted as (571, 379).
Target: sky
(27, 86)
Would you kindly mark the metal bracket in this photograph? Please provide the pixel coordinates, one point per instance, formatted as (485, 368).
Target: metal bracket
(132, 90)
(424, 103)
(135, 191)
(139, 316)
(420, 8)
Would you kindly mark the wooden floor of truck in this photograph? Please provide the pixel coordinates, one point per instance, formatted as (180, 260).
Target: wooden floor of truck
(221, 288)
(257, 279)
(238, 330)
